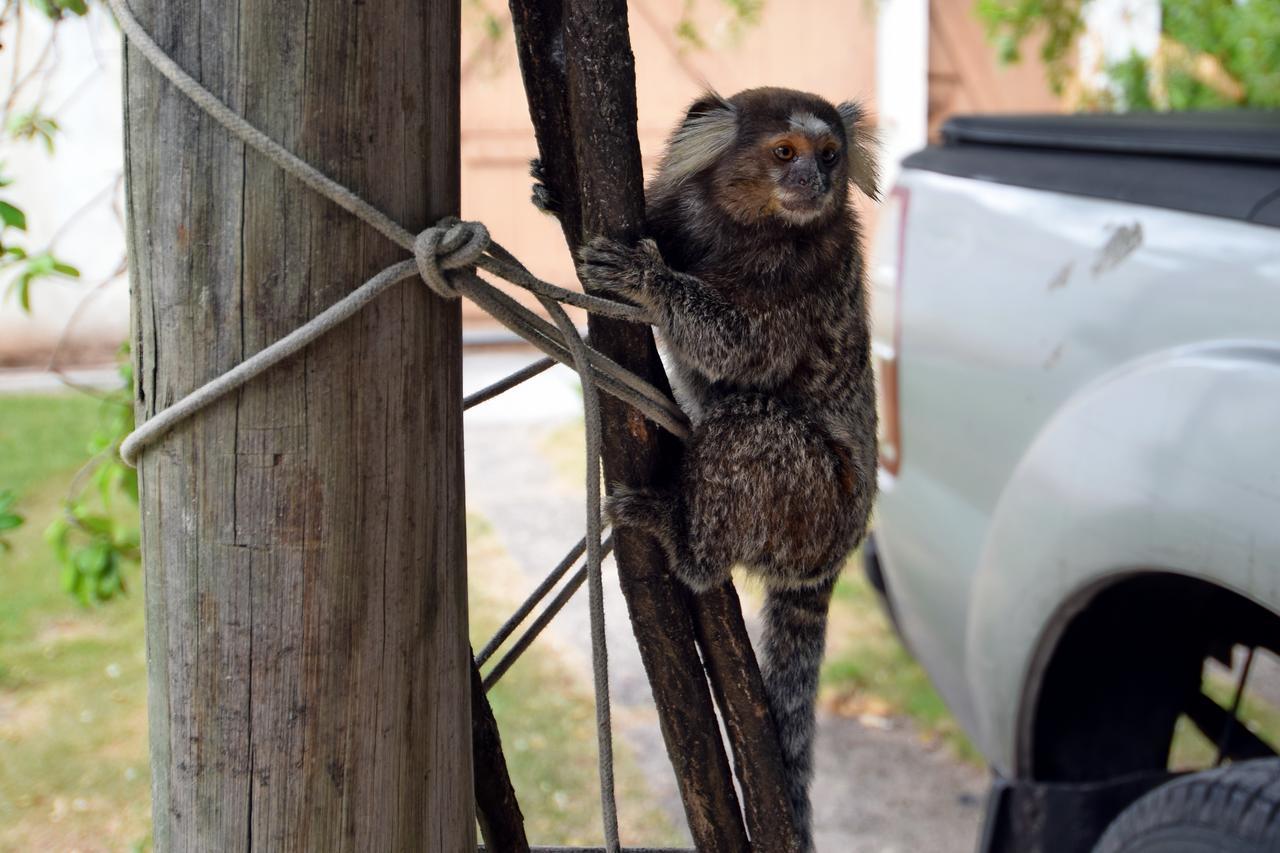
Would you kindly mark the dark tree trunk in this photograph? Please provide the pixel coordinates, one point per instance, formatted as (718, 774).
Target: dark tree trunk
(575, 56)
(303, 538)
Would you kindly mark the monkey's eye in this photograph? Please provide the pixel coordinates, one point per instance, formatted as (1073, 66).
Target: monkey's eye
(829, 156)
(784, 152)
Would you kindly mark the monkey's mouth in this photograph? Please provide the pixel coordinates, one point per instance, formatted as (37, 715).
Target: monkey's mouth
(802, 201)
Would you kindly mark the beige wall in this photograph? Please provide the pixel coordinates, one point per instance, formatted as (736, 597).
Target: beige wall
(965, 77)
(824, 46)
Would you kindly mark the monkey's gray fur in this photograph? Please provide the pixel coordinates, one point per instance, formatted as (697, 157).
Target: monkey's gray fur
(752, 269)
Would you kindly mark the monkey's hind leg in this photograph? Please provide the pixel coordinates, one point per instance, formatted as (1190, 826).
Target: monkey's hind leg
(659, 514)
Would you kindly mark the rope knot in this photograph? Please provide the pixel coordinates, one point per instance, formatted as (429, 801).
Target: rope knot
(450, 244)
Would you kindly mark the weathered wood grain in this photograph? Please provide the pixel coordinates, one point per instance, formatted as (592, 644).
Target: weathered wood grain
(303, 539)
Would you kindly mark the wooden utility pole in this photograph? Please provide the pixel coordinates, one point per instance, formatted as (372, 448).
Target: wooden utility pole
(579, 76)
(303, 539)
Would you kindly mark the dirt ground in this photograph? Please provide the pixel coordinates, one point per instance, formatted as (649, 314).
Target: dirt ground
(877, 790)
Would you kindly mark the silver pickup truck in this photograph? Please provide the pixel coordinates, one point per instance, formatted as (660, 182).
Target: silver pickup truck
(1076, 325)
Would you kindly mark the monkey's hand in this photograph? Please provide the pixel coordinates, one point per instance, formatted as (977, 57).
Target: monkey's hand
(616, 268)
(543, 198)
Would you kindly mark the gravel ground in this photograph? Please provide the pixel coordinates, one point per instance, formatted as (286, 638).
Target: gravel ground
(877, 791)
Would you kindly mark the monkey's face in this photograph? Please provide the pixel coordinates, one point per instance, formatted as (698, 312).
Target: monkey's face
(792, 170)
(802, 166)
(771, 156)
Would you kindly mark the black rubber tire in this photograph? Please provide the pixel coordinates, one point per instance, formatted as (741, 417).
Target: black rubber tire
(1233, 809)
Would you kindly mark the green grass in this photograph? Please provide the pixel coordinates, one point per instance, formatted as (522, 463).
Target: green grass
(43, 435)
(868, 672)
(73, 750)
(546, 715)
(1193, 750)
(73, 769)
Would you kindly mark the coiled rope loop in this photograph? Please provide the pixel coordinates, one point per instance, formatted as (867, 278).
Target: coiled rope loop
(448, 248)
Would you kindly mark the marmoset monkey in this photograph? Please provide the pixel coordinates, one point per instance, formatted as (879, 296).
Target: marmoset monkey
(752, 271)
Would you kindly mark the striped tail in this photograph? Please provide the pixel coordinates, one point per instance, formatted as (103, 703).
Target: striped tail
(795, 635)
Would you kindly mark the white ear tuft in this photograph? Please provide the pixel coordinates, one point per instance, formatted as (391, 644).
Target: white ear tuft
(864, 149)
(708, 131)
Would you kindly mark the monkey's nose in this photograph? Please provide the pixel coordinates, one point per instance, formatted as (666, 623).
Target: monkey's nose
(807, 179)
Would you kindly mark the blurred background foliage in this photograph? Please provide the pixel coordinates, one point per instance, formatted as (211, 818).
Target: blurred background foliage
(94, 537)
(1212, 54)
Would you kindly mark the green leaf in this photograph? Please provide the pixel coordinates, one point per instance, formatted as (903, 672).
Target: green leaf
(24, 291)
(41, 264)
(99, 525)
(109, 583)
(93, 559)
(69, 578)
(56, 534)
(687, 32)
(10, 521)
(34, 125)
(12, 216)
(129, 484)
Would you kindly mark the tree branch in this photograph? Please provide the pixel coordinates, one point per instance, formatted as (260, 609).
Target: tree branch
(579, 76)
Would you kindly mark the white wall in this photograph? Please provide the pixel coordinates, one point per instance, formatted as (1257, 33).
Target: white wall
(902, 80)
(84, 91)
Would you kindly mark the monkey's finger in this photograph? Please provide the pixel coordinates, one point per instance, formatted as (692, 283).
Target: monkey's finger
(545, 200)
(605, 252)
(604, 278)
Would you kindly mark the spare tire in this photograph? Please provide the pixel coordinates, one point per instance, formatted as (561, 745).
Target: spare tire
(1232, 809)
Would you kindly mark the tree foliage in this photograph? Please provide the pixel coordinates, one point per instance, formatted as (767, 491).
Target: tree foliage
(1010, 23)
(1213, 54)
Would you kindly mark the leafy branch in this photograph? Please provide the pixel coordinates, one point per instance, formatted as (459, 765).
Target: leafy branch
(1212, 53)
(96, 535)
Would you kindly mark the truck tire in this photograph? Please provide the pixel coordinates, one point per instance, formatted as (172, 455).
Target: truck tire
(1233, 809)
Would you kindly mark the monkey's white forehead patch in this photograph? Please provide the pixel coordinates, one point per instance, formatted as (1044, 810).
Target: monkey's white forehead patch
(809, 123)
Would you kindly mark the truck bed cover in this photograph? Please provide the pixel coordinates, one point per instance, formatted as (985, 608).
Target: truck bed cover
(1217, 163)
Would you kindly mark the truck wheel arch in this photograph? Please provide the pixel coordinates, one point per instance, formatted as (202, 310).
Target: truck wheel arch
(1119, 665)
(1137, 491)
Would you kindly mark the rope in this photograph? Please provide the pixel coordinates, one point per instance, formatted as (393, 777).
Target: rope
(544, 618)
(445, 257)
